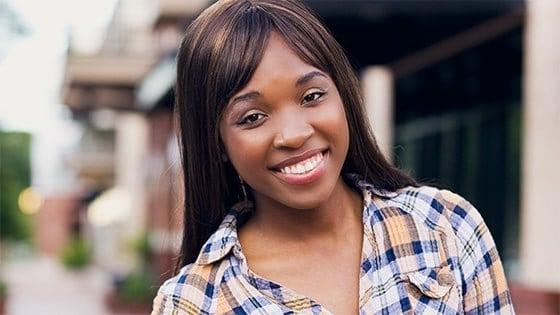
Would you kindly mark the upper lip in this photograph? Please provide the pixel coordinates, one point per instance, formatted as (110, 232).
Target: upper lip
(298, 158)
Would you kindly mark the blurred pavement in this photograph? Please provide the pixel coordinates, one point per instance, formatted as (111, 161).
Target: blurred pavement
(41, 285)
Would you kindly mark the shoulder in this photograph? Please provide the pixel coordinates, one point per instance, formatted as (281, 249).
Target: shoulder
(445, 211)
(439, 209)
(430, 208)
(450, 213)
(192, 291)
(462, 240)
(427, 209)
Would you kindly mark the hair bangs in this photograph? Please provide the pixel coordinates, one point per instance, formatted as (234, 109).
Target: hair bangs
(238, 57)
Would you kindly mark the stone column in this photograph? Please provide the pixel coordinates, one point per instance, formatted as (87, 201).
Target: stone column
(540, 218)
(130, 150)
(377, 87)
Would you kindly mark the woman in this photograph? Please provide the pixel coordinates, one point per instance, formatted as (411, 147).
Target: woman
(289, 205)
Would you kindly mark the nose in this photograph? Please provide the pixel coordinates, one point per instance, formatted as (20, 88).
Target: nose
(293, 132)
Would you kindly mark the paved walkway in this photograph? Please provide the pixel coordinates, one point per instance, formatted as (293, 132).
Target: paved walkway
(41, 285)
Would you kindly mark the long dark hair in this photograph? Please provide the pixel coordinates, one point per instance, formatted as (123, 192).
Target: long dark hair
(217, 57)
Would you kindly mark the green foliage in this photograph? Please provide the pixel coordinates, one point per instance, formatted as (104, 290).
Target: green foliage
(76, 254)
(141, 247)
(3, 289)
(15, 175)
(137, 287)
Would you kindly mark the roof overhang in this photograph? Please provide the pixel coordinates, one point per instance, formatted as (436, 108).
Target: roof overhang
(177, 11)
(103, 81)
(157, 85)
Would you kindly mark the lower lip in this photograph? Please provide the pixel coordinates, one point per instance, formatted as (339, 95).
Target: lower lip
(306, 178)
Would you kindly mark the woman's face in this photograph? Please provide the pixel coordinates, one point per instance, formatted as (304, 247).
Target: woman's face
(286, 132)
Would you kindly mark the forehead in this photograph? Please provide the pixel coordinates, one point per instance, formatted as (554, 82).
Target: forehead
(279, 62)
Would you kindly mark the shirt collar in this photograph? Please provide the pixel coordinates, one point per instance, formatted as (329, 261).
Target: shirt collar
(225, 238)
(361, 184)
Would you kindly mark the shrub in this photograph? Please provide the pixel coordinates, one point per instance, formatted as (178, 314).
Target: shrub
(141, 247)
(76, 254)
(137, 287)
(3, 289)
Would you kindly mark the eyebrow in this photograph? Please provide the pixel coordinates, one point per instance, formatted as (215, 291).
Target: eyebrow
(308, 77)
(254, 94)
(245, 97)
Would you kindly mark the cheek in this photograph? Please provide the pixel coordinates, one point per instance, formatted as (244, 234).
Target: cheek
(246, 150)
(331, 122)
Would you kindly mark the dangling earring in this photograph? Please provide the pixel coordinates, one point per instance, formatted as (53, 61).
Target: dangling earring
(243, 190)
(245, 205)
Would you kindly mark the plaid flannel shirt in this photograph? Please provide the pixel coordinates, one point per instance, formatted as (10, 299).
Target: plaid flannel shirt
(425, 251)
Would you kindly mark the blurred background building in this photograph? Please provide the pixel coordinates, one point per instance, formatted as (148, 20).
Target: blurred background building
(462, 94)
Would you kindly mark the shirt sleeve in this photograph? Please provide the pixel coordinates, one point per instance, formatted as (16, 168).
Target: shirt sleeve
(167, 301)
(484, 286)
(191, 291)
(163, 302)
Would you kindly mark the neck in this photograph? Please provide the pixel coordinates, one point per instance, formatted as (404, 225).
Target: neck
(333, 219)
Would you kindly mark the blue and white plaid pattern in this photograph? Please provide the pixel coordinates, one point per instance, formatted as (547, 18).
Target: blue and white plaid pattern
(427, 251)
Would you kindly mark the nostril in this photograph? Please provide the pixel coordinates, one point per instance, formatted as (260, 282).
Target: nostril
(293, 138)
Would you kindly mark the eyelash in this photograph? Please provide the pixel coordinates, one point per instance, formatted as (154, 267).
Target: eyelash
(245, 120)
(320, 93)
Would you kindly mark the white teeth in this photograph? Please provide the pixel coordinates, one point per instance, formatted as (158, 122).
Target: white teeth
(303, 166)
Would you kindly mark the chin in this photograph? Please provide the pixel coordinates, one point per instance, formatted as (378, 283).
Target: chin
(306, 200)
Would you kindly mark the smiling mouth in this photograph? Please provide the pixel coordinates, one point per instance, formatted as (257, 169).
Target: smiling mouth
(303, 167)
(304, 172)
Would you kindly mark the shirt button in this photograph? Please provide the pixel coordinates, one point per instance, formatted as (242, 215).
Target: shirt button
(445, 277)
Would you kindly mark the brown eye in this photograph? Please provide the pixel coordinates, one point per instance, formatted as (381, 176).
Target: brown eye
(312, 97)
(251, 119)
